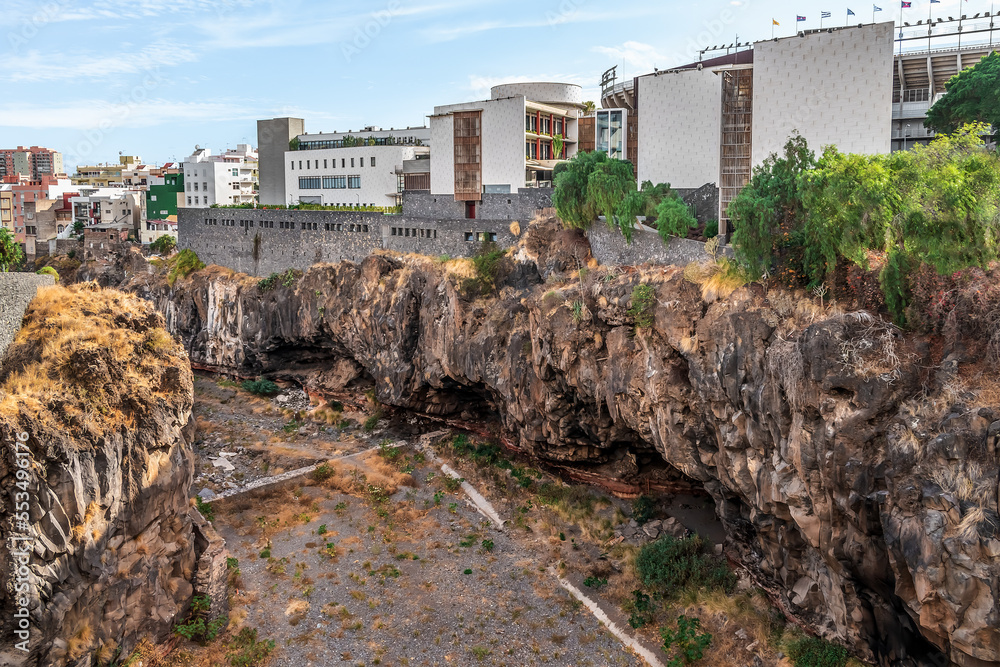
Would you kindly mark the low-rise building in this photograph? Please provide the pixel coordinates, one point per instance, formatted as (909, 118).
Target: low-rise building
(510, 141)
(347, 169)
(100, 239)
(226, 179)
(106, 175)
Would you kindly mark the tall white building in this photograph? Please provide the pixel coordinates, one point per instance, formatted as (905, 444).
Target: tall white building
(352, 169)
(510, 141)
(227, 179)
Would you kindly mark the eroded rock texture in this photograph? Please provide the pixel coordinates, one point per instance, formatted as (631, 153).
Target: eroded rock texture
(867, 509)
(104, 395)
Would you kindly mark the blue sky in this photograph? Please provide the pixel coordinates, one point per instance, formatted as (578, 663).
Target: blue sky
(93, 78)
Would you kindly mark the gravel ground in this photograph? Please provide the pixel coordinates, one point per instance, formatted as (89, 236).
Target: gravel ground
(419, 579)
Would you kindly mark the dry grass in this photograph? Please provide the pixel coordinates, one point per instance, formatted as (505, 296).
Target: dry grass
(101, 355)
(718, 278)
(81, 641)
(370, 472)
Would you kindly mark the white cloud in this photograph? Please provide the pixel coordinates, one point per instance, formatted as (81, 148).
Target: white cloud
(549, 19)
(90, 114)
(34, 66)
(642, 57)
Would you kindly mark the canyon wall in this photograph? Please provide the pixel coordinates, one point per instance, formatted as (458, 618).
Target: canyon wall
(100, 396)
(855, 474)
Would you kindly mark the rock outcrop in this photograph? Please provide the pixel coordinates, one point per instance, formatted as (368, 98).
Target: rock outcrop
(858, 487)
(101, 395)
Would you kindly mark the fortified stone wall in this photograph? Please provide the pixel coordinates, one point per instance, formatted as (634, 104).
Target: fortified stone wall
(609, 248)
(16, 292)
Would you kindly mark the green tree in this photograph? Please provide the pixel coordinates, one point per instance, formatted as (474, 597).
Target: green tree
(589, 107)
(10, 251)
(769, 212)
(570, 197)
(293, 145)
(608, 185)
(163, 245)
(973, 96)
(673, 218)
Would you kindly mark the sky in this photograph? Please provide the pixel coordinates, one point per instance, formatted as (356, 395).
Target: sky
(98, 78)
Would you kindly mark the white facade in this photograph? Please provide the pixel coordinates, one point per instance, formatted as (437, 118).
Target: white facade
(506, 137)
(226, 179)
(154, 229)
(360, 175)
(832, 87)
(680, 128)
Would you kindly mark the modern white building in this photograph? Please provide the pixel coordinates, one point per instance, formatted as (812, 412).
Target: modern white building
(227, 179)
(350, 169)
(510, 141)
(713, 121)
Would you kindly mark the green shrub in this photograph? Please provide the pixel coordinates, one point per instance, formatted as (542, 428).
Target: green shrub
(372, 422)
(642, 509)
(815, 652)
(642, 609)
(247, 651)
(670, 565)
(486, 262)
(323, 472)
(48, 271)
(10, 251)
(204, 508)
(685, 643)
(594, 582)
(163, 245)
(260, 387)
(673, 218)
(184, 264)
(711, 229)
(643, 305)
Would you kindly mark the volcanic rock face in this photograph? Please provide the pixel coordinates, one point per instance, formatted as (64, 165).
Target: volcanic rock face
(868, 512)
(103, 396)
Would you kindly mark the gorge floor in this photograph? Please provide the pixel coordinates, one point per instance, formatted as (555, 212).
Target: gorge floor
(377, 559)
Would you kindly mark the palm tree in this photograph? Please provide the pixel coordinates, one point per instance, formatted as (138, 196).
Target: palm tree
(589, 107)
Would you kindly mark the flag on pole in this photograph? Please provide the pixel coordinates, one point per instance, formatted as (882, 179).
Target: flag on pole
(799, 19)
(773, 22)
(907, 5)
(825, 15)
(876, 8)
(850, 13)
(935, 2)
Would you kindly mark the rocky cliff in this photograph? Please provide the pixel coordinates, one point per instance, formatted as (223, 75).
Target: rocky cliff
(100, 396)
(854, 471)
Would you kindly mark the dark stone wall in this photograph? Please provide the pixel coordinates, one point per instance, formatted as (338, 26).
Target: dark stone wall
(703, 201)
(520, 205)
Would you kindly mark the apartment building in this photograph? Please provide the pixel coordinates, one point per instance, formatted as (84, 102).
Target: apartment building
(94, 206)
(6, 207)
(354, 169)
(24, 191)
(511, 141)
(33, 163)
(227, 179)
(106, 175)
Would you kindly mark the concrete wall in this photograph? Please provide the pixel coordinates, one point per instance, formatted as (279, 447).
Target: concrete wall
(272, 142)
(834, 88)
(610, 249)
(442, 155)
(680, 128)
(520, 206)
(540, 91)
(377, 182)
(16, 292)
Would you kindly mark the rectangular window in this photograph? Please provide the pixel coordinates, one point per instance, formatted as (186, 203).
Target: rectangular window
(293, 165)
(352, 162)
(324, 164)
(204, 186)
(196, 200)
(308, 165)
(236, 172)
(342, 163)
(300, 164)
(310, 182)
(354, 182)
(362, 162)
(373, 161)
(334, 182)
(196, 187)
(152, 197)
(189, 201)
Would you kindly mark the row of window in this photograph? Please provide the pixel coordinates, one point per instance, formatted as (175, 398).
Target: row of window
(204, 186)
(480, 236)
(353, 141)
(532, 123)
(314, 164)
(329, 182)
(287, 224)
(410, 231)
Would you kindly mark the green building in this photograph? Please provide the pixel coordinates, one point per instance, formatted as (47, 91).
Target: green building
(161, 200)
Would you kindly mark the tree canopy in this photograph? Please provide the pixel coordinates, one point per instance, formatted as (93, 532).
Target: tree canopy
(973, 97)
(937, 205)
(10, 251)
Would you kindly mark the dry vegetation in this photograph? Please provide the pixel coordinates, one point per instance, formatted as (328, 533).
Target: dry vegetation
(95, 357)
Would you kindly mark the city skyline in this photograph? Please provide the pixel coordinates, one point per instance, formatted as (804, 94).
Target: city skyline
(99, 78)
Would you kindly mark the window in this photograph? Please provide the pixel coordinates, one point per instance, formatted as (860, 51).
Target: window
(196, 187)
(362, 162)
(342, 163)
(152, 197)
(352, 163)
(196, 200)
(189, 201)
(324, 164)
(236, 172)
(293, 165)
(469, 236)
(308, 165)
(310, 182)
(373, 160)
(187, 187)
(354, 182)
(204, 186)
(300, 164)
(334, 182)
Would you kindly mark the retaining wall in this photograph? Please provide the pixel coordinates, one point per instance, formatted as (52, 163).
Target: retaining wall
(609, 248)
(16, 292)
